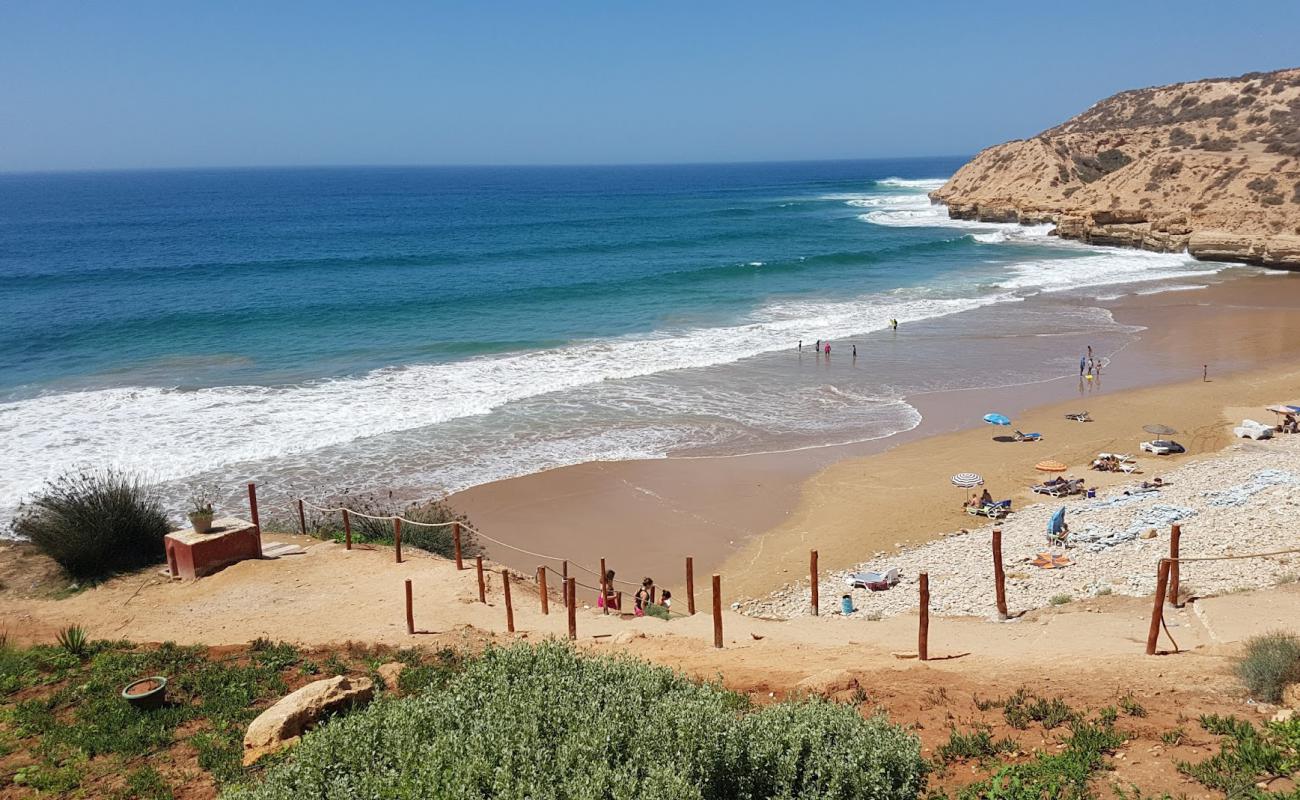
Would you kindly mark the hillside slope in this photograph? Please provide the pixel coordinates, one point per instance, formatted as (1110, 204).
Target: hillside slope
(1210, 166)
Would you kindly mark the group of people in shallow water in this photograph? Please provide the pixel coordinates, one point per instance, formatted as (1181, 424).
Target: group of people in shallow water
(824, 348)
(1089, 366)
(647, 602)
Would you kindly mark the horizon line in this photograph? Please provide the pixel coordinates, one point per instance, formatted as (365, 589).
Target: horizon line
(519, 165)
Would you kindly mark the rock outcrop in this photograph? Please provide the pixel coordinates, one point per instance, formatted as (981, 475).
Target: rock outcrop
(284, 723)
(1211, 167)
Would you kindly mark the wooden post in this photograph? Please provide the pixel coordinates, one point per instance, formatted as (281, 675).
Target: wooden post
(618, 601)
(541, 590)
(604, 590)
(690, 585)
(455, 541)
(717, 611)
(653, 589)
(482, 587)
(397, 539)
(410, 614)
(252, 512)
(570, 591)
(923, 634)
(252, 506)
(999, 575)
(510, 610)
(347, 531)
(1158, 608)
(302, 519)
(1175, 533)
(564, 582)
(812, 572)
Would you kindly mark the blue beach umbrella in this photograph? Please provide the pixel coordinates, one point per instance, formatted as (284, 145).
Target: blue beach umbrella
(997, 419)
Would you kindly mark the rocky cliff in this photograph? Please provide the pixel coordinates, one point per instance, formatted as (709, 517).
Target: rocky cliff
(1210, 166)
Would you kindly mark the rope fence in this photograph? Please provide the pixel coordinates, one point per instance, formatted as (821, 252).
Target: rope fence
(1166, 590)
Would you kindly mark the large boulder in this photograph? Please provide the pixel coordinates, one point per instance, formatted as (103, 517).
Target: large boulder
(284, 723)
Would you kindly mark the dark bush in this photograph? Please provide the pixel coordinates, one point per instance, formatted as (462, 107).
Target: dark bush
(1270, 662)
(95, 523)
(546, 721)
(1180, 138)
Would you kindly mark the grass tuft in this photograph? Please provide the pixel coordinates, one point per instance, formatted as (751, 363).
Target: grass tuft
(1270, 662)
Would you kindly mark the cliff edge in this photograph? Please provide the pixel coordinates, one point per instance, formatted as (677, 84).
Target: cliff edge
(1209, 166)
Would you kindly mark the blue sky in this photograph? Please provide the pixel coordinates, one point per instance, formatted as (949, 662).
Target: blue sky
(168, 84)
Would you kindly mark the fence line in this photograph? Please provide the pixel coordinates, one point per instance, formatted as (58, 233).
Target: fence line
(397, 518)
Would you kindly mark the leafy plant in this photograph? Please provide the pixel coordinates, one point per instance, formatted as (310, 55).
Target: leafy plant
(1174, 736)
(1021, 708)
(1247, 755)
(73, 639)
(1060, 599)
(201, 501)
(978, 744)
(548, 721)
(95, 523)
(1270, 662)
(1131, 706)
(1060, 776)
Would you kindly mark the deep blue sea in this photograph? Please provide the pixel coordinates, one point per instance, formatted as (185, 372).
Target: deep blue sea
(432, 328)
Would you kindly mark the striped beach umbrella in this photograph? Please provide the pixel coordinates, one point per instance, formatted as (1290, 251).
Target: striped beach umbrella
(967, 480)
(1050, 466)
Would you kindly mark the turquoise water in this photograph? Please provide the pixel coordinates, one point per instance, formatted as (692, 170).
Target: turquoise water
(429, 329)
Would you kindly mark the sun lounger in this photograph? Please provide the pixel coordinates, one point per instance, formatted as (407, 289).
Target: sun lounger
(1250, 429)
(1162, 447)
(1028, 437)
(1082, 416)
(996, 510)
(1063, 489)
(875, 581)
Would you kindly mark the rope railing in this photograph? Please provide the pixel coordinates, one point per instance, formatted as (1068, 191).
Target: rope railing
(464, 526)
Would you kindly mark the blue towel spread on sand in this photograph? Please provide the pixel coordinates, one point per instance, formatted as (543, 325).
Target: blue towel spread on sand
(1239, 495)
(1094, 539)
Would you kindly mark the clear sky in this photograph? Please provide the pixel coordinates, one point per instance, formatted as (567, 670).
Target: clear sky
(175, 83)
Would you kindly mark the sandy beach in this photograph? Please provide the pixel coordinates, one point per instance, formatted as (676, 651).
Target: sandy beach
(756, 517)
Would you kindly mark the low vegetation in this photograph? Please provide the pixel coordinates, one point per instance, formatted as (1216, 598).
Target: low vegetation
(546, 721)
(1270, 662)
(427, 529)
(95, 523)
(1249, 758)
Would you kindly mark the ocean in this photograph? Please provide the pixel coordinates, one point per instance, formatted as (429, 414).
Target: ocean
(424, 330)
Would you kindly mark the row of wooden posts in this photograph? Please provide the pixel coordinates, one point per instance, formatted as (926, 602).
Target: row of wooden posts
(1167, 583)
(569, 597)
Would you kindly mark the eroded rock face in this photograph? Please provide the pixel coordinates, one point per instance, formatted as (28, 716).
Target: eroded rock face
(1211, 167)
(284, 723)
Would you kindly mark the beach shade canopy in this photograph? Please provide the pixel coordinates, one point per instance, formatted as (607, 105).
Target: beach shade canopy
(1050, 466)
(1159, 430)
(1057, 522)
(1296, 409)
(967, 480)
(997, 419)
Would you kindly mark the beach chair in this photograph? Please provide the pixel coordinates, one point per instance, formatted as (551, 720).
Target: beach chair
(1046, 488)
(1069, 487)
(998, 510)
(874, 581)
(1082, 416)
(1028, 437)
(1162, 447)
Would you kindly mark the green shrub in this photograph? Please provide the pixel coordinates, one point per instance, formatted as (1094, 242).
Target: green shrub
(1059, 776)
(95, 523)
(435, 540)
(546, 721)
(1270, 662)
(73, 639)
(1247, 756)
(978, 744)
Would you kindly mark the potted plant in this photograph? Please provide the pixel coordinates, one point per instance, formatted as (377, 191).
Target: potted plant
(201, 511)
(146, 694)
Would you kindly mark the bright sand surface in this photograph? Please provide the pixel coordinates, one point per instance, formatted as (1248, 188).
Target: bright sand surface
(754, 518)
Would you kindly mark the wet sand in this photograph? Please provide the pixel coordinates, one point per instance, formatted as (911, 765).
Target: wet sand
(755, 517)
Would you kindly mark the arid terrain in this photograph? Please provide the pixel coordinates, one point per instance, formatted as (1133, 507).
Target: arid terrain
(1210, 166)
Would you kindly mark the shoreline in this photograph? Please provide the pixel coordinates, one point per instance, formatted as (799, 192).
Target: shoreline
(754, 517)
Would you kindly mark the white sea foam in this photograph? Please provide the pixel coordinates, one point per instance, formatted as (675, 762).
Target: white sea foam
(172, 434)
(1103, 267)
(913, 183)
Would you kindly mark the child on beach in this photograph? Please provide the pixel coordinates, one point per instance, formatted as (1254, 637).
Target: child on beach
(642, 600)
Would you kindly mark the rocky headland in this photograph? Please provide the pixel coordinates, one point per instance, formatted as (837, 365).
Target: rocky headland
(1211, 167)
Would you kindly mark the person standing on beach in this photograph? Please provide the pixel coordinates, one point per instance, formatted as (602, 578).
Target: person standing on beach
(1083, 362)
(1089, 352)
(827, 347)
(801, 345)
(855, 351)
(817, 348)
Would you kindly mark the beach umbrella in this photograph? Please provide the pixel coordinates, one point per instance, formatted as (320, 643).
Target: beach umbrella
(997, 419)
(1296, 409)
(967, 480)
(1050, 466)
(1159, 430)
